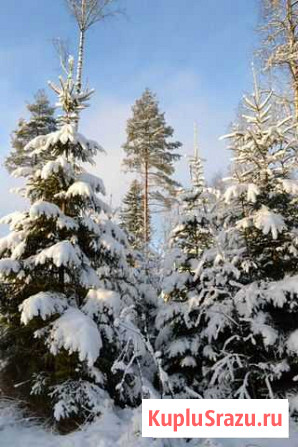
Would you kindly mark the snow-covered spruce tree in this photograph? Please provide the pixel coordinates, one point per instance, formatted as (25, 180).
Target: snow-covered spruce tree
(190, 236)
(177, 320)
(150, 154)
(40, 122)
(64, 270)
(130, 309)
(249, 325)
(132, 215)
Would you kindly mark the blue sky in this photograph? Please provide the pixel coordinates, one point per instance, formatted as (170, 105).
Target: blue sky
(195, 54)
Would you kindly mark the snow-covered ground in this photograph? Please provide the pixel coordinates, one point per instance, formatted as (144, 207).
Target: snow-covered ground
(113, 430)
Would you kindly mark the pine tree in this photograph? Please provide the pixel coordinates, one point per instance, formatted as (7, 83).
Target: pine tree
(69, 324)
(249, 324)
(41, 122)
(132, 215)
(150, 154)
(177, 319)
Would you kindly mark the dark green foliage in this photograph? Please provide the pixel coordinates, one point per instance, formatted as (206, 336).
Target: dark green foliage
(132, 215)
(148, 142)
(150, 153)
(40, 122)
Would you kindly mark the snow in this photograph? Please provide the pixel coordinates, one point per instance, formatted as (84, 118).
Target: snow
(66, 134)
(62, 254)
(115, 428)
(95, 182)
(19, 250)
(293, 402)
(8, 266)
(130, 332)
(12, 219)
(176, 280)
(10, 241)
(251, 297)
(111, 228)
(259, 326)
(252, 192)
(178, 346)
(92, 226)
(112, 245)
(244, 223)
(44, 304)
(290, 186)
(168, 312)
(188, 362)
(80, 189)
(44, 208)
(218, 317)
(292, 342)
(52, 211)
(66, 222)
(268, 221)
(53, 167)
(99, 299)
(233, 192)
(76, 332)
(85, 191)
(71, 396)
(22, 172)
(279, 291)
(89, 278)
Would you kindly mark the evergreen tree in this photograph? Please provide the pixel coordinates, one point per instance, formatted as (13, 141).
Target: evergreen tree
(132, 214)
(249, 328)
(68, 287)
(190, 236)
(41, 122)
(177, 319)
(150, 153)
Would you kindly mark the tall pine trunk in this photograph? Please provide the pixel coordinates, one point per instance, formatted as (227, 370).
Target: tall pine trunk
(146, 206)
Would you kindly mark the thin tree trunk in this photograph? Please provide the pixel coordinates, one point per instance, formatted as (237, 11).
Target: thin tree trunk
(61, 269)
(292, 40)
(80, 61)
(146, 208)
(295, 87)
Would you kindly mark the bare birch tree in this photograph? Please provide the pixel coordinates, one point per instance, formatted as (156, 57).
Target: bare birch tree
(86, 14)
(280, 44)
